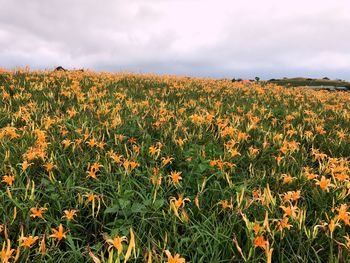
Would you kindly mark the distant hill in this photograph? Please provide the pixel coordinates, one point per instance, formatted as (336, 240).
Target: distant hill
(296, 82)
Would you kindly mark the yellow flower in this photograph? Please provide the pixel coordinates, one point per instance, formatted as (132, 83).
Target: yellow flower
(58, 233)
(332, 225)
(152, 150)
(283, 223)
(91, 173)
(175, 177)
(311, 176)
(6, 252)
(70, 214)
(253, 151)
(66, 143)
(175, 259)
(279, 159)
(341, 177)
(133, 165)
(166, 160)
(116, 158)
(11, 132)
(117, 243)
(132, 140)
(290, 118)
(234, 152)
(25, 165)
(225, 204)
(343, 214)
(126, 164)
(90, 197)
(180, 141)
(8, 179)
(96, 167)
(27, 242)
(341, 135)
(180, 202)
(256, 228)
(242, 136)
(49, 167)
(260, 241)
(37, 212)
(289, 210)
(324, 183)
(92, 142)
(287, 179)
(291, 196)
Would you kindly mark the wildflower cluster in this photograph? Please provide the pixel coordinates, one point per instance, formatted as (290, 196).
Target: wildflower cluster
(108, 167)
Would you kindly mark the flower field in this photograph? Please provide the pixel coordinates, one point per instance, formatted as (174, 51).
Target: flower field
(101, 167)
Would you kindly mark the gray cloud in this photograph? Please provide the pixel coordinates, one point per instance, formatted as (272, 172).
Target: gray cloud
(204, 38)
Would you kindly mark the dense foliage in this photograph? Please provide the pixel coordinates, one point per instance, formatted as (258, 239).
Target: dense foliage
(99, 167)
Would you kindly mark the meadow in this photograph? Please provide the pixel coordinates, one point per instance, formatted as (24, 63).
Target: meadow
(102, 167)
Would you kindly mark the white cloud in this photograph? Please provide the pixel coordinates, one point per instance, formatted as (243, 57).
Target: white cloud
(222, 38)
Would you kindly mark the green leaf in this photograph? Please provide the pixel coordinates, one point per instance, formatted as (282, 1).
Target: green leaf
(202, 167)
(138, 208)
(159, 203)
(112, 210)
(71, 243)
(124, 203)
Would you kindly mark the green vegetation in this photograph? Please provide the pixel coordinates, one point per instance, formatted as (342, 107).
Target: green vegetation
(99, 167)
(296, 82)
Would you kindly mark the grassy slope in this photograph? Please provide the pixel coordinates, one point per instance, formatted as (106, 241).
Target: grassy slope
(212, 117)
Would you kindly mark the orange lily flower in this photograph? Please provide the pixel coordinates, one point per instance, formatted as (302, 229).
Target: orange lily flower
(117, 242)
(37, 212)
(8, 179)
(58, 233)
(175, 177)
(260, 241)
(29, 241)
(70, 214)
(174, 259)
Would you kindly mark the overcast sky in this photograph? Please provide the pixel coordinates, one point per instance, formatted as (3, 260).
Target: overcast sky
(215, 38)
